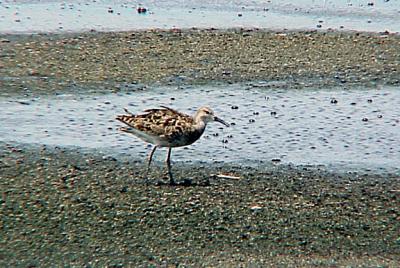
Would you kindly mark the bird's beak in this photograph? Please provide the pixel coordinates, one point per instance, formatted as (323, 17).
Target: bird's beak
(216, 119)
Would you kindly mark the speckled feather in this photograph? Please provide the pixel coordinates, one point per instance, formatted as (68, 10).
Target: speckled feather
(168, 126)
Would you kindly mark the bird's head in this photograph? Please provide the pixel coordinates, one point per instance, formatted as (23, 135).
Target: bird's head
(206, 115)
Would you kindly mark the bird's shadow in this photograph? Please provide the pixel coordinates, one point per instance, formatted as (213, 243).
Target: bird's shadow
(180, 183)
(184, 183)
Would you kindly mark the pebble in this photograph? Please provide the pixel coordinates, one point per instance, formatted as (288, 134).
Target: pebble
(141, 10)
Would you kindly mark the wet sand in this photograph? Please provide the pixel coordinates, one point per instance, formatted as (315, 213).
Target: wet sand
(38, 16)
(63, 206)
(313, 126)
(66, 206)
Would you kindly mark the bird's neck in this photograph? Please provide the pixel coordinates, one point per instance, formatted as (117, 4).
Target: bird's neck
(200, 125)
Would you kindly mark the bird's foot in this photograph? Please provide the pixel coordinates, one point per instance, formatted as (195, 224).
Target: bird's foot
(171, 180)
(187, 182)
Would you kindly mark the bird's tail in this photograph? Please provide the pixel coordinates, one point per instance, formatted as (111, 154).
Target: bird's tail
(126, 119)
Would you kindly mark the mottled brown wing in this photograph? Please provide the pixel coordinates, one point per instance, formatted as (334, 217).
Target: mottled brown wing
(164, 122)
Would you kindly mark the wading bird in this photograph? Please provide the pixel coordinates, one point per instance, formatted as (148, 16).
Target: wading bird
(166, 127)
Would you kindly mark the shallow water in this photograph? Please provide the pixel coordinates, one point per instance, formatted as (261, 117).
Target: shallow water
(75, 16)
(302, 127)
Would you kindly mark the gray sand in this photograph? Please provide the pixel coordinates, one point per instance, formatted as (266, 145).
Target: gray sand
(68, 207)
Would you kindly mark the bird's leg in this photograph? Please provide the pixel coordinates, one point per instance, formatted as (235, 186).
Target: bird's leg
(150, 157)
(168, 162)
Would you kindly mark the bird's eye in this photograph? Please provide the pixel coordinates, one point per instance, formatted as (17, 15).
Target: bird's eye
(207, 112)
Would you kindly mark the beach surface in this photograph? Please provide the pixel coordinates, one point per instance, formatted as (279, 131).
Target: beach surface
(81, 206)
(313, 109)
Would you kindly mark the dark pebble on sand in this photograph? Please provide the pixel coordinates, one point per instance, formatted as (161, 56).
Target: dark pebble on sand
(141, 10)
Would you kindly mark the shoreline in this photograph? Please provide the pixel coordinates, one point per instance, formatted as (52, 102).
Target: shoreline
(15, 35)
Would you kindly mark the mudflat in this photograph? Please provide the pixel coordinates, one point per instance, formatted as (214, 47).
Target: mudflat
(66, 206)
